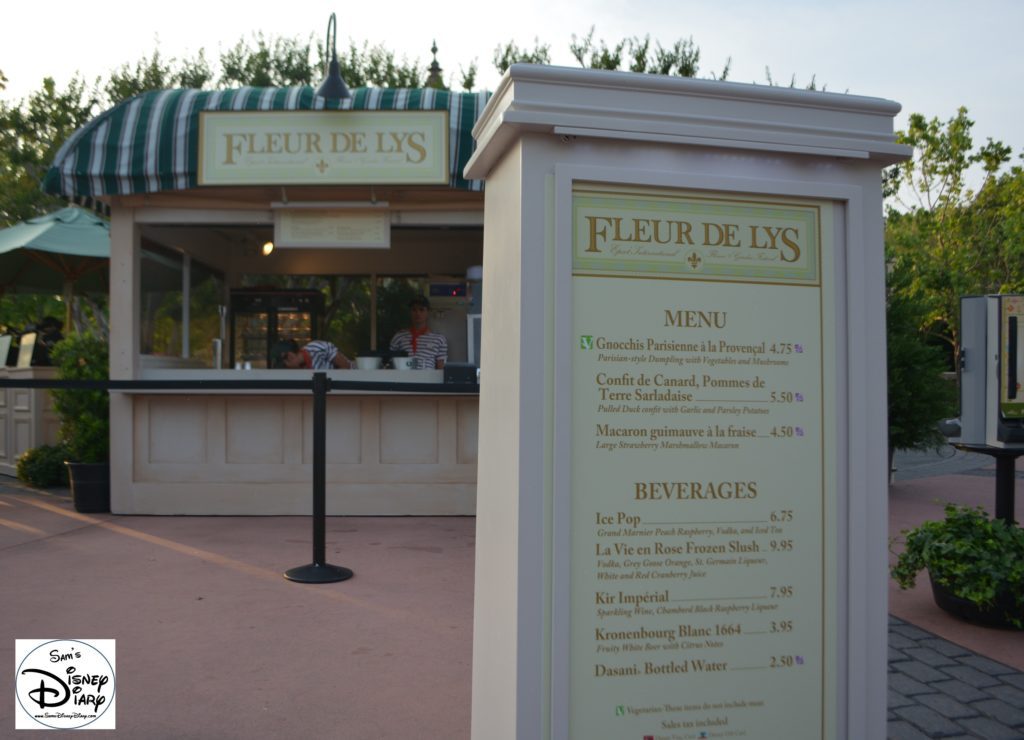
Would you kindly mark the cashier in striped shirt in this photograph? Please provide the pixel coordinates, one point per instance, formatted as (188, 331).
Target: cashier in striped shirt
(429, 348)
(317, 355)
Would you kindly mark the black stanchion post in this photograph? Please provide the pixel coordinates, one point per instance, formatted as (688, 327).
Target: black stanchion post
(1005, 486)
(319, 571)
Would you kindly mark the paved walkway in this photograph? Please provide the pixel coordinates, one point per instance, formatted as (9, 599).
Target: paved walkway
(213, 643)
(938, 689)
(947, 678)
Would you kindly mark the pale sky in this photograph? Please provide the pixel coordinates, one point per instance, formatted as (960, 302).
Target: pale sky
(931, 56)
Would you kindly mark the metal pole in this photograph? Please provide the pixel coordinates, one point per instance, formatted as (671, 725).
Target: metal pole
(319, 468)
(319, 571)
(1005, 486)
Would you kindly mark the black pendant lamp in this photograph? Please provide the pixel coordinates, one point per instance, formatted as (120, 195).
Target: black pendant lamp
(333, 87)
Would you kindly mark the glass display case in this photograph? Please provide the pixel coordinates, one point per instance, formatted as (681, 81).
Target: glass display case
(261, 318)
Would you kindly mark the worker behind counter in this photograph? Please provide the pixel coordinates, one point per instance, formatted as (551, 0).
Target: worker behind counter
(429, 348)
(317, 355)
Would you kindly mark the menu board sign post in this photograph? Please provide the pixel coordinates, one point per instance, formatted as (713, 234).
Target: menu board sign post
(700, 499)
(681, 481)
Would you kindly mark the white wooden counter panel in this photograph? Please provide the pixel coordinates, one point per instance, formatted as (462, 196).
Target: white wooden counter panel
(27, 418)
(218, 453)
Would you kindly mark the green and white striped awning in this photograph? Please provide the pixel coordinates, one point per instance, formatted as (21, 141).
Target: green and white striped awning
(150, 143)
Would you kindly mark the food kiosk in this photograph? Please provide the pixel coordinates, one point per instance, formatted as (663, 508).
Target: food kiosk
(216, 193)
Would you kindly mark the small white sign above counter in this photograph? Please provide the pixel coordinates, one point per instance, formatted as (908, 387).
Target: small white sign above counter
(332, 228)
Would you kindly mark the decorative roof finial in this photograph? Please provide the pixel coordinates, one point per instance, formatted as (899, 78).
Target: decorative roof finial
(434, 79)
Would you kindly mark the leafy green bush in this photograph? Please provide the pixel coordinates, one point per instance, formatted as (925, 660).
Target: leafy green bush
(975, 558)
(43, 466)
(84, 414)
(918, 396)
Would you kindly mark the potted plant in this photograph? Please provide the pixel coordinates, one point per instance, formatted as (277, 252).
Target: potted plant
(85, 420)
(43, 466)
(976, 565)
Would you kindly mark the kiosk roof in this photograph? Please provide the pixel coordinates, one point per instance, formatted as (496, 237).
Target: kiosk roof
(149, 143)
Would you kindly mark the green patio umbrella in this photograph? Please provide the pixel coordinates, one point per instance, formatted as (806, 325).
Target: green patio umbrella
(64, 252)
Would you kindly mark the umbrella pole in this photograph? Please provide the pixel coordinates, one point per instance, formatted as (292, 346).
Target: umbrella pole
(69, 296)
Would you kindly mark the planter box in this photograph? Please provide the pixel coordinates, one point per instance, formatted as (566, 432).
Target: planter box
(90, 487)
(995, 616)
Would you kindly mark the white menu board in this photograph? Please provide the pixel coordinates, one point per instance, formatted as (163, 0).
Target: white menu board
(702, 495)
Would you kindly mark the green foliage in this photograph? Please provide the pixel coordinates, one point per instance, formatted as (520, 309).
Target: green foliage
(935, 176)
(31, 132)
(273, 62)
(194, 73)
(951, 241)
(509, 54)
(995, 221)
(976, 558)
(43, 467)
(681, 59)
(812, 85)
(918, 396)
(154, 73)
(18, 310)
(377, 66)
(596, 54)
(393, 296)
(468, 81)
(84, 414)
(347, 313)
(264, 61)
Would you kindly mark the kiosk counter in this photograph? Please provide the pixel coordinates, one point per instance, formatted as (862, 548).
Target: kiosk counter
(215, 193)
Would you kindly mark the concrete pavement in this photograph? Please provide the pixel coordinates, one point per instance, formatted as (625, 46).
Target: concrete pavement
(212, 641)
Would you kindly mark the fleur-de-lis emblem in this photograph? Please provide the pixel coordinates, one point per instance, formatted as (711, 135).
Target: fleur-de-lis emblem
(322, 166)
(694, 260)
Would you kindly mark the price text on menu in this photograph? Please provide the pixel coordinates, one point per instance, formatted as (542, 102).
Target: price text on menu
(699, 602)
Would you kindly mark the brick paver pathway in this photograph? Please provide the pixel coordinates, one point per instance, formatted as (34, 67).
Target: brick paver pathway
(938, 689)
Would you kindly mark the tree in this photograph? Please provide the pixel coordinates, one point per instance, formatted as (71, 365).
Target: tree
(949, 240)
(154, 73)
(468, 76)
(264, 61)
(509, 54)
(596, 55)
(31, 132)
(377, 66)
(995, 222)
(919, 397)
(18, 311)
(273, 62)
(681, 59)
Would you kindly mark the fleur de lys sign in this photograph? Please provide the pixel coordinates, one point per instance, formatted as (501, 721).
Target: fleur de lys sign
(323, 147)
